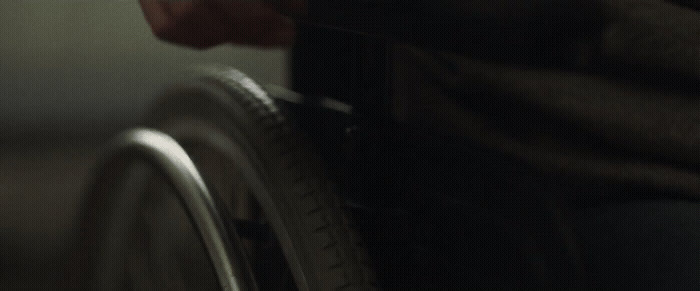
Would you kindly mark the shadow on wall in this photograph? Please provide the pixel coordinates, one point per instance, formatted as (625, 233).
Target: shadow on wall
(82, 67)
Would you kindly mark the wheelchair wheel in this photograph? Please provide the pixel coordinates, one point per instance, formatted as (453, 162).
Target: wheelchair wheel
(285, 227)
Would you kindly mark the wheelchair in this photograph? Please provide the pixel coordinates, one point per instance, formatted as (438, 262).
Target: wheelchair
(218, 174)
(234, 185)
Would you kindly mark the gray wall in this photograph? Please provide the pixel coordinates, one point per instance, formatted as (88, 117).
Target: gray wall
(81, 66)
(72, 72)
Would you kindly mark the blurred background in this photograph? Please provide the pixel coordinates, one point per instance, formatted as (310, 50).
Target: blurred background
(72, 74)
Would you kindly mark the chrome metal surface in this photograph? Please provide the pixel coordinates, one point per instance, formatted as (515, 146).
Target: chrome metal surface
(168, 156)
(281, 93)
(235, 149)
(250, 168)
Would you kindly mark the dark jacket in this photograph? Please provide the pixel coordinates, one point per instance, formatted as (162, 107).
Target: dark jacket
(618, 99)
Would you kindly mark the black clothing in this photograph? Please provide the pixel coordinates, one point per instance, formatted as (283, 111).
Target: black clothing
(564, 149)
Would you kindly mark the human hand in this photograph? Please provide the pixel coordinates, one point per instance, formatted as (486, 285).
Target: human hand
(205, 23)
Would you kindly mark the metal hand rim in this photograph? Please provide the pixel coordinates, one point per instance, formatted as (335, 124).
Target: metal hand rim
(191, 130)
(167, 155)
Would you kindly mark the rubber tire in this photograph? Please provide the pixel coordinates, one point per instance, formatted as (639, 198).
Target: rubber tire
(331, 255)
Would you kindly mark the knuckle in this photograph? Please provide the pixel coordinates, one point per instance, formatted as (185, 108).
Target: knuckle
(163, 30)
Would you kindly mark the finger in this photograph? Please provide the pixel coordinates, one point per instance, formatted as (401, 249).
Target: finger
(166, 18)
(202, 24)
(155, 14)
(184, 9)
(177, 22)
